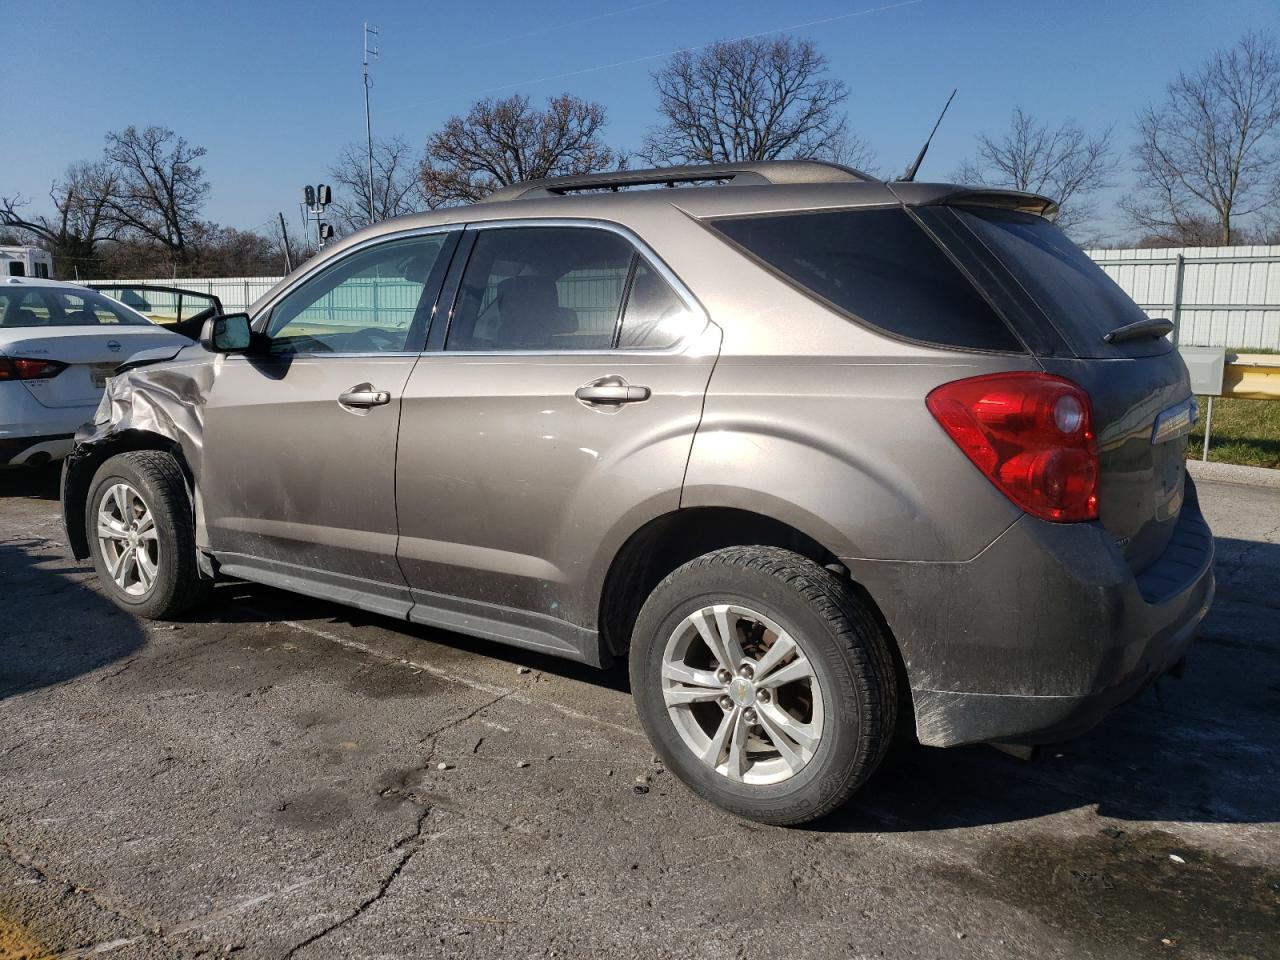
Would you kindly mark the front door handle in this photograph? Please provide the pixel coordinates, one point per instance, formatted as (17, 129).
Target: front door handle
(364, 396)
(612, 390)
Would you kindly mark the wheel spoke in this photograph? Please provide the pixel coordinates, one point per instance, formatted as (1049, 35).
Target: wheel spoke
(790, 755)
(676, 696)
(110, 528)
(122, 568)
(797, 669)
(782, 648)
(715, 749)
(720, 636)
(683, 673)
(802, 734)
(120, 494)
(146, 569)
(146, 522)
(738, 750)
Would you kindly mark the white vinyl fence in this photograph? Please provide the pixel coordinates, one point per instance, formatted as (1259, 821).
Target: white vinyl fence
(1216, 296)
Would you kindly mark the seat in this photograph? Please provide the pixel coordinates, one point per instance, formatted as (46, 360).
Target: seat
(531, 314)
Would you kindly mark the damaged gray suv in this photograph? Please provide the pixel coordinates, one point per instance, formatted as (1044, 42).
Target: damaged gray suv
(822, 456)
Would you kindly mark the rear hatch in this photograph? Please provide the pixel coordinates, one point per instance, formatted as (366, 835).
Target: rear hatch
(91, 356)
(1137, 383)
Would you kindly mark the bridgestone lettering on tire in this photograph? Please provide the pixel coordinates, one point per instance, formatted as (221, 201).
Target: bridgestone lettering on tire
(764, 682)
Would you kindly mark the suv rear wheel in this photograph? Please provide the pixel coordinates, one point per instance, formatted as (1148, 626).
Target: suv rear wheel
(764, 683)
(142, 535)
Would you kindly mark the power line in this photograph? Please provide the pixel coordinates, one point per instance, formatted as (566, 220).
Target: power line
(659, 56)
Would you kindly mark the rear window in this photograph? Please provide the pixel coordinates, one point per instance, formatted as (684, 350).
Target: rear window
(60, 307)
(878, 267)
(1077, 296)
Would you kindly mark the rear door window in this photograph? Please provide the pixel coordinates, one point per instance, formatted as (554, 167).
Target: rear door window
(1076, 295)
(878, 267)
(541, 288)
(655, 318)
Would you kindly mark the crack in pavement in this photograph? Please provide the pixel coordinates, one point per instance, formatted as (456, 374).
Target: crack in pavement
(149, 928)
(411, 844)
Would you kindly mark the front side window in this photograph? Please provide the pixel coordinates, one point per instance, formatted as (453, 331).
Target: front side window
(366, 302)
(55, 307)
(541, 288)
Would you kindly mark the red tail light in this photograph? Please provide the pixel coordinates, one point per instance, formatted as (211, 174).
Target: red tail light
(19, 368)
(1031, 434)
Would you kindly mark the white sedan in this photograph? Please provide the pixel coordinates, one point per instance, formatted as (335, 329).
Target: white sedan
(59, 343)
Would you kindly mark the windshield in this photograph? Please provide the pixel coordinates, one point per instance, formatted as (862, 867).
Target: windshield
(1080, 300)
(63, 307)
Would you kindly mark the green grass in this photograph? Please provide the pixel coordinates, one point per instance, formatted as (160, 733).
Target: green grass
(1243, 431)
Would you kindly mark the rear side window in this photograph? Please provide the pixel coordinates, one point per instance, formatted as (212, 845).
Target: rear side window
(878, 267)
(541, 288)
(1080, 300)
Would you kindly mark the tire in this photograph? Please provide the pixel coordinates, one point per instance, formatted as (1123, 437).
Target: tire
(163, 580)
(764, 594)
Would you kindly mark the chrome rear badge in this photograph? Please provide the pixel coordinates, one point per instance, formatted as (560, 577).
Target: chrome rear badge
(1174, 422)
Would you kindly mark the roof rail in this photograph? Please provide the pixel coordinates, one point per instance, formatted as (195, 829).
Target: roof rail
(753, 172)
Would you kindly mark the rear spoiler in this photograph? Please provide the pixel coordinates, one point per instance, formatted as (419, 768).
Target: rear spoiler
(957, 196)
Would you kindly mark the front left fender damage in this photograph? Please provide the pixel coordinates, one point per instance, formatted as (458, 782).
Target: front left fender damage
(146, 408)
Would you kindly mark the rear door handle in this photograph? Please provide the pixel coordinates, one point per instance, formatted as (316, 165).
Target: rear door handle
(612, 390)
(364, 396)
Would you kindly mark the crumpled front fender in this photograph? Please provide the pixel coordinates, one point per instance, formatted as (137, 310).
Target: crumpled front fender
(147, 408)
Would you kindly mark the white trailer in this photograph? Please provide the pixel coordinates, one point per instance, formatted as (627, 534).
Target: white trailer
(25, 262)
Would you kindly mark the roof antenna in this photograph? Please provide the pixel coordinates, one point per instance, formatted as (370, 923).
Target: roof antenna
(911, 170)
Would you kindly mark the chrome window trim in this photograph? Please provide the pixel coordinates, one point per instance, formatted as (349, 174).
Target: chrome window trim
(643, 249)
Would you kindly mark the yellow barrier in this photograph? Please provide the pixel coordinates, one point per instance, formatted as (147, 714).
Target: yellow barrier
(1252, 376)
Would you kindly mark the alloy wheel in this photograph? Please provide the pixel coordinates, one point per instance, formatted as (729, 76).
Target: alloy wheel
(742, 694)
(128, 540)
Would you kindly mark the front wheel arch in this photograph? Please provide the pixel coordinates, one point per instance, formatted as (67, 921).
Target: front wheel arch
(83, 462)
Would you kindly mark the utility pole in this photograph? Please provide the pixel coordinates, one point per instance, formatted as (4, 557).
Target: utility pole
(368, 125)
(288, 253)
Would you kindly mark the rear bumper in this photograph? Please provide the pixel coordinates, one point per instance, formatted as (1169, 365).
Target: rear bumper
(17, 451)
(1040, 635)
(27, 427)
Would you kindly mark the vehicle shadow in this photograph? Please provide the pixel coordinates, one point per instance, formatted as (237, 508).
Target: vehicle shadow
(1200, 749)
(39, 483)
(56, 627)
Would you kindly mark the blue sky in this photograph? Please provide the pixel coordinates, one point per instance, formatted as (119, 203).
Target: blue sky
(272, 89)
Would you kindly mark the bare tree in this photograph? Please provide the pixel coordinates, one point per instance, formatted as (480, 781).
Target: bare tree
(755, 99)
(161, 189)
(396, 187)
(1211, 151)
(1063, 163)
(80, 221)
(500, 142)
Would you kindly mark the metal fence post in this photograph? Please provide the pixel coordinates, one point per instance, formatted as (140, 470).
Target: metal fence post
(247, 301)
(1208, 427)
(1179, 270)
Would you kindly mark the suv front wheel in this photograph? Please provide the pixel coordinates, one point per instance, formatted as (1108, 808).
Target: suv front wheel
(142, 535)
(766, 685)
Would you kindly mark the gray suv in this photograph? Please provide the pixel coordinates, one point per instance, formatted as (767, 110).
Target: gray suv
(822, 456)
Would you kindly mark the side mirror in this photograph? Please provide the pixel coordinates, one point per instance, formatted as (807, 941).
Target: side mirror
(228, 333)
